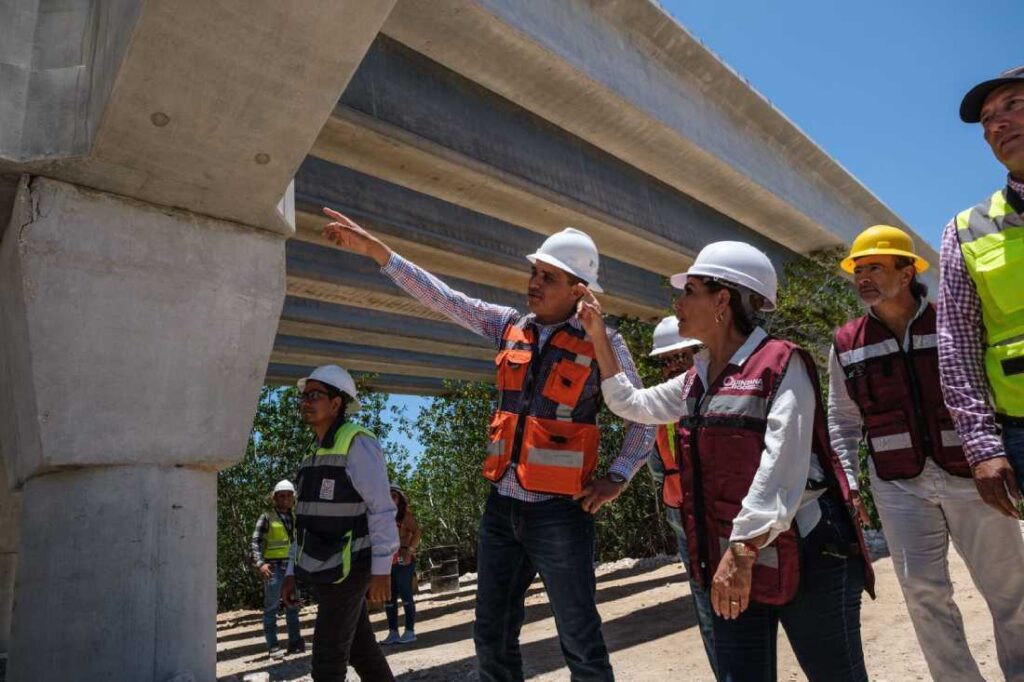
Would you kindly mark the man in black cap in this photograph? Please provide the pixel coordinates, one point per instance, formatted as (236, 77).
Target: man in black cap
(981, 341)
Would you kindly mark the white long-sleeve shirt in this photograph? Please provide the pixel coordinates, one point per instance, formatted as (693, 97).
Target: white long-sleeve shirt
(778, 494)
(369, 475)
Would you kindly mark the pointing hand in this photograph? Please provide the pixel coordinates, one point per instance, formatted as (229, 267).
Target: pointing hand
(346, 233)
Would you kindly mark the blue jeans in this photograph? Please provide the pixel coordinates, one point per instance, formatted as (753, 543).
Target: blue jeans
(822, 622)
(701, 597)
(401, 587)
(1013, 442)
(271, 597)
(518, 540)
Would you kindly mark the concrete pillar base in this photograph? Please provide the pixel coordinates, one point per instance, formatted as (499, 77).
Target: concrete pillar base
(114, 560)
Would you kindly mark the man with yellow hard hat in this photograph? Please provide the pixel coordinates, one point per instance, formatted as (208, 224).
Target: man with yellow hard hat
(884, 391)
(981, 303)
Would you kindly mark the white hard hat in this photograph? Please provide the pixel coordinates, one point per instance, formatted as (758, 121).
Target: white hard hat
(284, 486)
(335, 376)
(667, 337)
(734, 263)
(572, 251)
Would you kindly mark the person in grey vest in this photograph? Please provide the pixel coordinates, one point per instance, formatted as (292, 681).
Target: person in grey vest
(345, 530)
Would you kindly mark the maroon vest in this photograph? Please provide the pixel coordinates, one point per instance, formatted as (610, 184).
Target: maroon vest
(899, 395)
(720, 447)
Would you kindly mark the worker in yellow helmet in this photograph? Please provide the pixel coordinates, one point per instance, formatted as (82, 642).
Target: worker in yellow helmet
(884, 391)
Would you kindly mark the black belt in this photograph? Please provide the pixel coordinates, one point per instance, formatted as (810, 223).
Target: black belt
(815, 485)
(1007, 420)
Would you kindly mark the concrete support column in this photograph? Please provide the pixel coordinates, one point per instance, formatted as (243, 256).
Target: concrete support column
(10, 532)
(133, 343)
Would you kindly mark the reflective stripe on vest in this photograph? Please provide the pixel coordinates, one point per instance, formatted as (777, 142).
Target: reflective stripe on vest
(899, 394)
(331, 522)
(991, 237)
(277, 539)
(546, 422)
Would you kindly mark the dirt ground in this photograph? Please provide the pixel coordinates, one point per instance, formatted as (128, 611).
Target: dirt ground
(648, 626)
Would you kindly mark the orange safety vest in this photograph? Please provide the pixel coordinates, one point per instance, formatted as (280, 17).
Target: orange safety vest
(671, 486)
(546, 421)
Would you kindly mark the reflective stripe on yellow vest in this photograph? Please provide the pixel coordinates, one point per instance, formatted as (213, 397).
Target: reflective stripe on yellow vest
(277, 539)
(991, 239)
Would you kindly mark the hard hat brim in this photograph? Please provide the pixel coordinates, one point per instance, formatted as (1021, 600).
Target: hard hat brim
(690, 343)
(550, 260)
(353, 403)
(848, 263)
(678, 281)
(974, 100)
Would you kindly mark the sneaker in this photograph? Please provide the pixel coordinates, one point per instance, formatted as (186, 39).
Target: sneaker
(408, 637)
(275, 652)
(297, 647)
(392, 638)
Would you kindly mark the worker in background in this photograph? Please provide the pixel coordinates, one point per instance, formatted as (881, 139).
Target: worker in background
(345, 530)
(270, 543)
(981, 304)
(542, 451)
(884, 390)
(766, 503)
(674, 353)
(403, 570)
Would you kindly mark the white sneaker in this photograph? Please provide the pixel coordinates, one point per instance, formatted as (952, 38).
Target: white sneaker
(392, 638)
(408, 637)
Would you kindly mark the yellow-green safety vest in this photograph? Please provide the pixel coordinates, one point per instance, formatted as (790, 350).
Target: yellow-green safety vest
(991, 237)
(277, 540)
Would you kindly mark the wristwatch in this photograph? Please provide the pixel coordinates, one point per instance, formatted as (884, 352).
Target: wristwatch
(617, 478)
(745, 550)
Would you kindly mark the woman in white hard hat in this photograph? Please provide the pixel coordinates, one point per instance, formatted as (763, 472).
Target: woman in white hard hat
(345, 530)
(765, 502)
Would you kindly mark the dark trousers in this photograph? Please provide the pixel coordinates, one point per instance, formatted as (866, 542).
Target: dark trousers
(1013, 442)
(401, 588)
(518, 540)
(343, 634)
(822, 622)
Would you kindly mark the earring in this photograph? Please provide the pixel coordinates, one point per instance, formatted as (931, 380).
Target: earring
(719, 317)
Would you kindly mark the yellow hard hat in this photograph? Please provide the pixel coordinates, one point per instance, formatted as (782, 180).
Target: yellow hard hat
(883, 240)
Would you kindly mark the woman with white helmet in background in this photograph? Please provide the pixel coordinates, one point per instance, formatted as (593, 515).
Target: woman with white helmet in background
(765, 502)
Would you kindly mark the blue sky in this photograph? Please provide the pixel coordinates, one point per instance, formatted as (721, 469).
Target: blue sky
(877, 84)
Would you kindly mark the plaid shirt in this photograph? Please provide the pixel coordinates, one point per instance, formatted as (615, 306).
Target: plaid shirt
(489, 320)
(962, 352)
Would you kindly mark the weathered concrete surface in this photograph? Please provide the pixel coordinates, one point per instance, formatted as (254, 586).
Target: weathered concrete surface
(627, 78)
(128, 330)
(133, 344)
(388, 383)
(205, 106)
(449, 240)
(10, 536)
(311, 319)
(116, 575)
(411, 121)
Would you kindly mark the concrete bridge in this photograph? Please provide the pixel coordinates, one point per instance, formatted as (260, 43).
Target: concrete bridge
(162, 165)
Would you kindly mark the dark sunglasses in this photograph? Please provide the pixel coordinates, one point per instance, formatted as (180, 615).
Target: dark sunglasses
(313, 395)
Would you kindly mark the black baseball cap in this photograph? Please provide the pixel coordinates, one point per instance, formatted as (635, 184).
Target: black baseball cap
(970, 107)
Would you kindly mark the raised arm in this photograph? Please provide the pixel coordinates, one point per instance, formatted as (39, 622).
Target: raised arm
(486, 319)
(661, 404)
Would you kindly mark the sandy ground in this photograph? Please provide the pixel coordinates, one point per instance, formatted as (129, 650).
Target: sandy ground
(648, 626)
